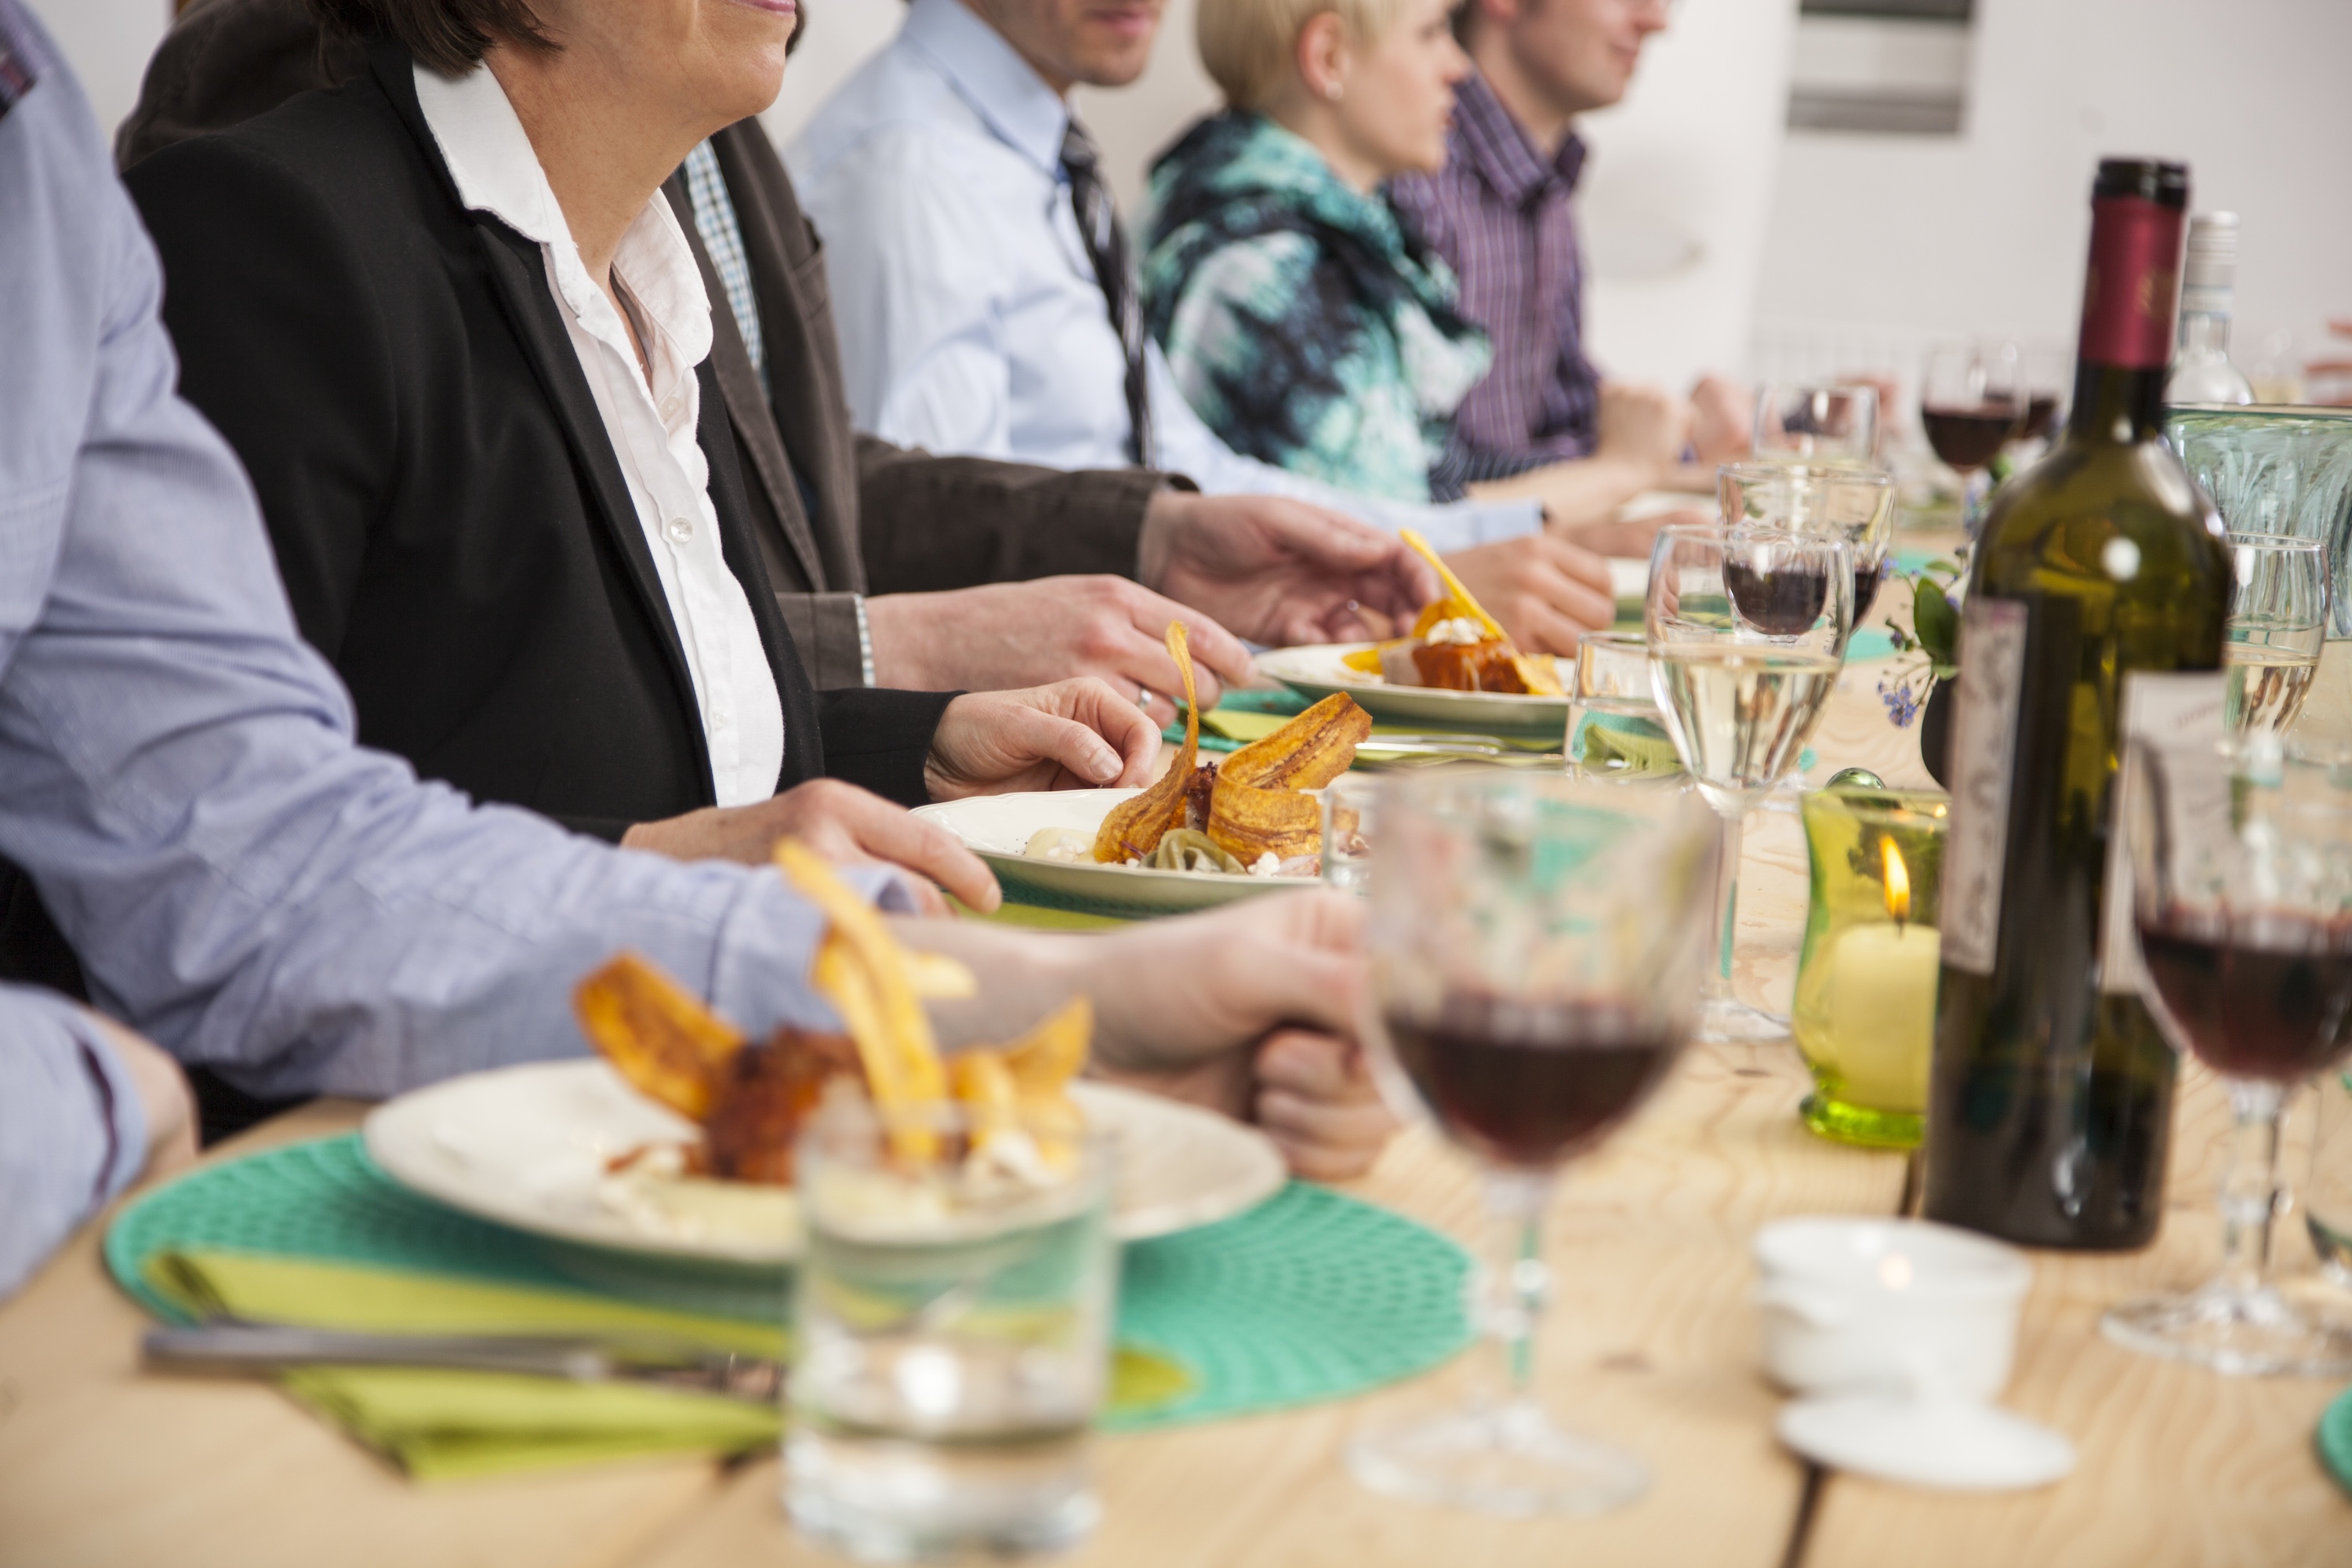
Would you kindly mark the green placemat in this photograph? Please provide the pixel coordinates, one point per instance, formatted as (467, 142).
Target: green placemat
(1310, 1296)
(2334, 1440)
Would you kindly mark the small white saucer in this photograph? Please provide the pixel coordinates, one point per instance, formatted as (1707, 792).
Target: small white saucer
(1946, 1444)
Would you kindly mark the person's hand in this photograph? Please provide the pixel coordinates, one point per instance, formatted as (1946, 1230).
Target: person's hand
(1009, 635)
(1546, 590)
(1644, 428)
(1280, 572)
(1723, 421)
(163, 1094)
(1314, 1099)
(1248, 1010)
(1629, 538)
(846, 824)
(1073, 734)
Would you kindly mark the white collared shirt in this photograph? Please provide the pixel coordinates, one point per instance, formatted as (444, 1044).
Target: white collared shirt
(970, 321)
(652, 427)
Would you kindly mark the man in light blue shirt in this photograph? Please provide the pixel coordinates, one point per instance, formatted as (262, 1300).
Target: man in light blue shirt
(260, 896)
(972, 318)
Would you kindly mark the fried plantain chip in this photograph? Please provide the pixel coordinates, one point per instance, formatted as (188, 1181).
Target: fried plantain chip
(1256, 809)
(861, 970)
(1132, 830)
(669, 1047)
(1247, 822)
(1054, 1052)
(984, 1087)
(1308, 752)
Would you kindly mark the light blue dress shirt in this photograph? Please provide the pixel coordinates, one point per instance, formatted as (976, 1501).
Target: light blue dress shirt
(244, 885)
(970, 319)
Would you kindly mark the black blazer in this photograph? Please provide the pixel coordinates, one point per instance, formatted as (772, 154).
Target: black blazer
(449, 517)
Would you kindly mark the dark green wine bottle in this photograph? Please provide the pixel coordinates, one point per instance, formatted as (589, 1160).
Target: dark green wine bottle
(2095, 607)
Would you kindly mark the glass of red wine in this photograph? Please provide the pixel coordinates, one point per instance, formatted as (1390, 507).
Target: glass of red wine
(1856, 505)
(2241, 884)
(1972, 402)
(1533, 945)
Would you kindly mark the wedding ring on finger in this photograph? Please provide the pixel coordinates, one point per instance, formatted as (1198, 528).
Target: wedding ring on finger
(1143, 697)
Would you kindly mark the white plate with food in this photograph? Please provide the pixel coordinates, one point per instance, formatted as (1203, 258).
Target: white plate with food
(1319, 669)
(1203, 833)
(532, 1147)
(1043, 844)
(1456, 668)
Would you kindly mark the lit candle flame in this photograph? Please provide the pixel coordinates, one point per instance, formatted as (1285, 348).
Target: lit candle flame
(1899, 882)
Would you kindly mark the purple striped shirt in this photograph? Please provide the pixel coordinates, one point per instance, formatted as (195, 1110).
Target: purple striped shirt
(1499, 213)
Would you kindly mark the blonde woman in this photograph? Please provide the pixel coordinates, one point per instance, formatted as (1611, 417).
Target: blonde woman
(1305, 322)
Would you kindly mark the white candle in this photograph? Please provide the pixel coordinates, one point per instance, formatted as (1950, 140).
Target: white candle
(1879, 1001)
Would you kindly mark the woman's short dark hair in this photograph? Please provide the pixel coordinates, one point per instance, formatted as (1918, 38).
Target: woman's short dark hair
(448, 35)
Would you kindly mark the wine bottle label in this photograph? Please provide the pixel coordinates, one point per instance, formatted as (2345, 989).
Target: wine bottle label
(2178, 713)
(2135, 278)
(1984, 755)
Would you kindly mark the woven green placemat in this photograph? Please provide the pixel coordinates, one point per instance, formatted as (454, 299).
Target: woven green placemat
(2334, 1440)
(1310, 1296)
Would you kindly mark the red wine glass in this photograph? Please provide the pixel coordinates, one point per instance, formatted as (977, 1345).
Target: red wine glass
(2242, 901)
(1972, 402)
(1856, 505)
(1533, 945)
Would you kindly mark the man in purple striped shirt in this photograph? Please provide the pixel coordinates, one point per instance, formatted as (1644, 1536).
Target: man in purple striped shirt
(1499, 212)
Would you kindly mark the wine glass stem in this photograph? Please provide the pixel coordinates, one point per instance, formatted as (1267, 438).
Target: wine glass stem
(1516, 1283)
(2250, 1186)
(1727, 912)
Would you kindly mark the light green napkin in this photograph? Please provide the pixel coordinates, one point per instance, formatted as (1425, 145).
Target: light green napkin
(1633, 746)
(440, 1426)
(444, 1425)
(1243, 726)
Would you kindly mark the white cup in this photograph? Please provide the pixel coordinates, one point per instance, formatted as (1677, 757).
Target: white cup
(1895, 1307)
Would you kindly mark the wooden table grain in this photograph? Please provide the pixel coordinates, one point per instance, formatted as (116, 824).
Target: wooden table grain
(1650, 1343)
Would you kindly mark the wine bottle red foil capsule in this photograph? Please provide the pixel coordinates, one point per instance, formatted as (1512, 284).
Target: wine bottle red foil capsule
(2134, 283)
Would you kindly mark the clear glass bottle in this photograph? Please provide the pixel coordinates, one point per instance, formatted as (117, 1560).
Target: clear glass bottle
(2202, 370)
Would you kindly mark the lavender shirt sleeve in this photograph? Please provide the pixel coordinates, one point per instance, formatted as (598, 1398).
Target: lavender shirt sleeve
(72, 1134)
(178, 775)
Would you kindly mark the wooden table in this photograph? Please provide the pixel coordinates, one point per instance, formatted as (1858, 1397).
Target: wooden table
(1651, 1343)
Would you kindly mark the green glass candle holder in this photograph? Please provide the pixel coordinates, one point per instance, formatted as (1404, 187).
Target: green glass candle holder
(1865, 1009)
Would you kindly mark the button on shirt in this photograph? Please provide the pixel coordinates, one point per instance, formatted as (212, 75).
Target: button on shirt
(652, 427)
(1501, 213)
(971, 321)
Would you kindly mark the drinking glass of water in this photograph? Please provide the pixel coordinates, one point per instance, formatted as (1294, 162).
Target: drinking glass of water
(954, 1314)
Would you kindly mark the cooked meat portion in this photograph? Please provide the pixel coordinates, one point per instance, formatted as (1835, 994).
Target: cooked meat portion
(764, 1095)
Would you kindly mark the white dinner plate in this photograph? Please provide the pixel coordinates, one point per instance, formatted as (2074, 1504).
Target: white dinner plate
(997, 828)
(528, 1146)
(1316, 670)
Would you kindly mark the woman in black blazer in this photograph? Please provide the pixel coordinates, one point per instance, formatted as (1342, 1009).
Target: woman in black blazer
(454, 527)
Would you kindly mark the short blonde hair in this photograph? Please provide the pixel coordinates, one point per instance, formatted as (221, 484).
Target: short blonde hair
(1247, 46)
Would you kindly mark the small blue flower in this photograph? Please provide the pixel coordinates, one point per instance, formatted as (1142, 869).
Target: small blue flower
(1902, 702)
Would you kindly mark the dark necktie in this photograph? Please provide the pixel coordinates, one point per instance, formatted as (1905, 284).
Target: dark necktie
(1107, 248)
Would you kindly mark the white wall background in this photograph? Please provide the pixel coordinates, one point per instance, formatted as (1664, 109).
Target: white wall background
(1712, 230)
(1898, 239)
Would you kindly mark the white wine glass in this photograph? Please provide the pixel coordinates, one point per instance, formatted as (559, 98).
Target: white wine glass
(1747, 632)
(1532, 950)
(1823, 424)
(2277, 626)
